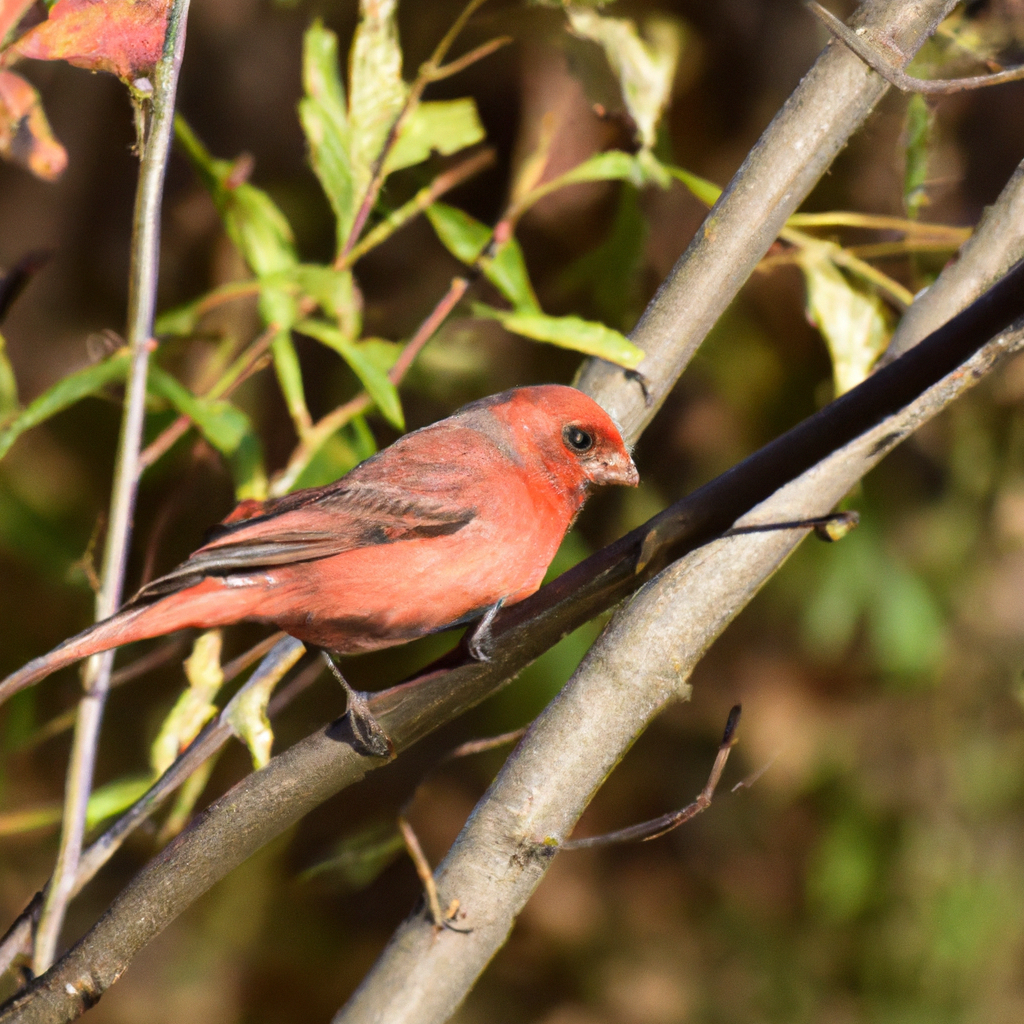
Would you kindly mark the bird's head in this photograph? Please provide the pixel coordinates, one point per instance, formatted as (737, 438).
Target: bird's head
(577, 441)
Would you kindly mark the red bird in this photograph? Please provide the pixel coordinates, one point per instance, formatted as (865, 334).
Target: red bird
(428, 534)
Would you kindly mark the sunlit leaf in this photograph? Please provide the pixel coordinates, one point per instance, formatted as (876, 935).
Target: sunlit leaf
(8, 385)
(706, 191)
(364, 365)
(334, 291)
(325, 123)
(64, 393)
(247, 710)
(376, 90)
(25, 135)
(115, 797)
(248, 470)
(11, 12)
(341, 452)
(506, 270)
(915, 175)
(221, 423)
(124, 37)
(572, 332)
(611, 166)
(195, 707)
(462, 235)
(442, 126)
(854, 323)
(645, 67)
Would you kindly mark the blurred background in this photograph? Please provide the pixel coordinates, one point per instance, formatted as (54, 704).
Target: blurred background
(875, 871)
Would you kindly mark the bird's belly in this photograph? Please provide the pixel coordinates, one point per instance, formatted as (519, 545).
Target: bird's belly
(374, 597)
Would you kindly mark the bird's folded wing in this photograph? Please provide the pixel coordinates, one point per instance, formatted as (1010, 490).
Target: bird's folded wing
(321, 526)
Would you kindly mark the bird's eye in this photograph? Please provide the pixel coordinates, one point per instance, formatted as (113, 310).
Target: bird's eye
(578, 439)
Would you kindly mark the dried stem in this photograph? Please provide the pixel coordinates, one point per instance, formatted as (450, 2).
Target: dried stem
(144, 269)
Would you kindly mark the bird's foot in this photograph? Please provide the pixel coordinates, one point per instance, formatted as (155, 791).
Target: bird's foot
(369, 735)
(480, 641)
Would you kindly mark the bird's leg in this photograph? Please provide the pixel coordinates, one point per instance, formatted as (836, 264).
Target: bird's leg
(479, 641)
(366, 729)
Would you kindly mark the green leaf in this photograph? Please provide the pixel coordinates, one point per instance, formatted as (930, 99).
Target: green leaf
(377, 383)
(919, 123)
(706, 191)
(358, 859)
(334, 291)
(64, 393)
(506, 270)
(248, 470)
(854, 323)
(572, 332)
(325, 123)
(221, 423)
(289, 377)
(195, 707)
(443, 126)
(463, 236)
(115, 797)
(376, 90)
(645, 67)
(252, 219)
(611, 166)
(8, 385)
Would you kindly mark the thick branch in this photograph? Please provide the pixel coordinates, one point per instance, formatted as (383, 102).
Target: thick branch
(816, 122)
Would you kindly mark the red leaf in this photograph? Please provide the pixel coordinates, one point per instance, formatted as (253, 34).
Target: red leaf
(11, 12)
(125, 37)
(25, 136)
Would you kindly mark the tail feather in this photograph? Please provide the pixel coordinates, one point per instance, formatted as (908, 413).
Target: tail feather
(101, 637)
(205, 605)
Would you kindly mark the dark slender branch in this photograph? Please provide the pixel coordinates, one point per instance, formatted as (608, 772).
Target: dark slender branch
(861, 46)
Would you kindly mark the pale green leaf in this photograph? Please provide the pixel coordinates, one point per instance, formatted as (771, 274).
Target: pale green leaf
(853, 322)
(645, 67)
(441, 126)
(364, 364)
(358, 859)
(8, 385)
(376, 90)
(115, 797)
(706, 191)
(221, 423)
(195, 707)
(463, 236)
(334, 291)
(246, 712)
(341, 452)
(64, 393)
(506, 270)
(611, 166)
(325, 123)
(289, 377)
(572, 332)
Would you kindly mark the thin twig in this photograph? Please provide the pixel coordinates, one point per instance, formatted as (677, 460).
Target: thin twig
(648, 830)
(423, 869)
(142, 286)
(443, 183)
(337, 418)
(426, 75)
(894, 76)
(249, 362)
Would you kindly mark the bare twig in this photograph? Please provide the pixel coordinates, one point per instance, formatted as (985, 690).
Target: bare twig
(658, 827)
(861, 46)
(337, 418)
(141, 307)
(426, 876)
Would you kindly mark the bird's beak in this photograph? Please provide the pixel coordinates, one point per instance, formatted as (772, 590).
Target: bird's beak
(618, 469)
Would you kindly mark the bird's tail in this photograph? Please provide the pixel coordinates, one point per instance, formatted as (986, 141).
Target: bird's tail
(205, 605)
